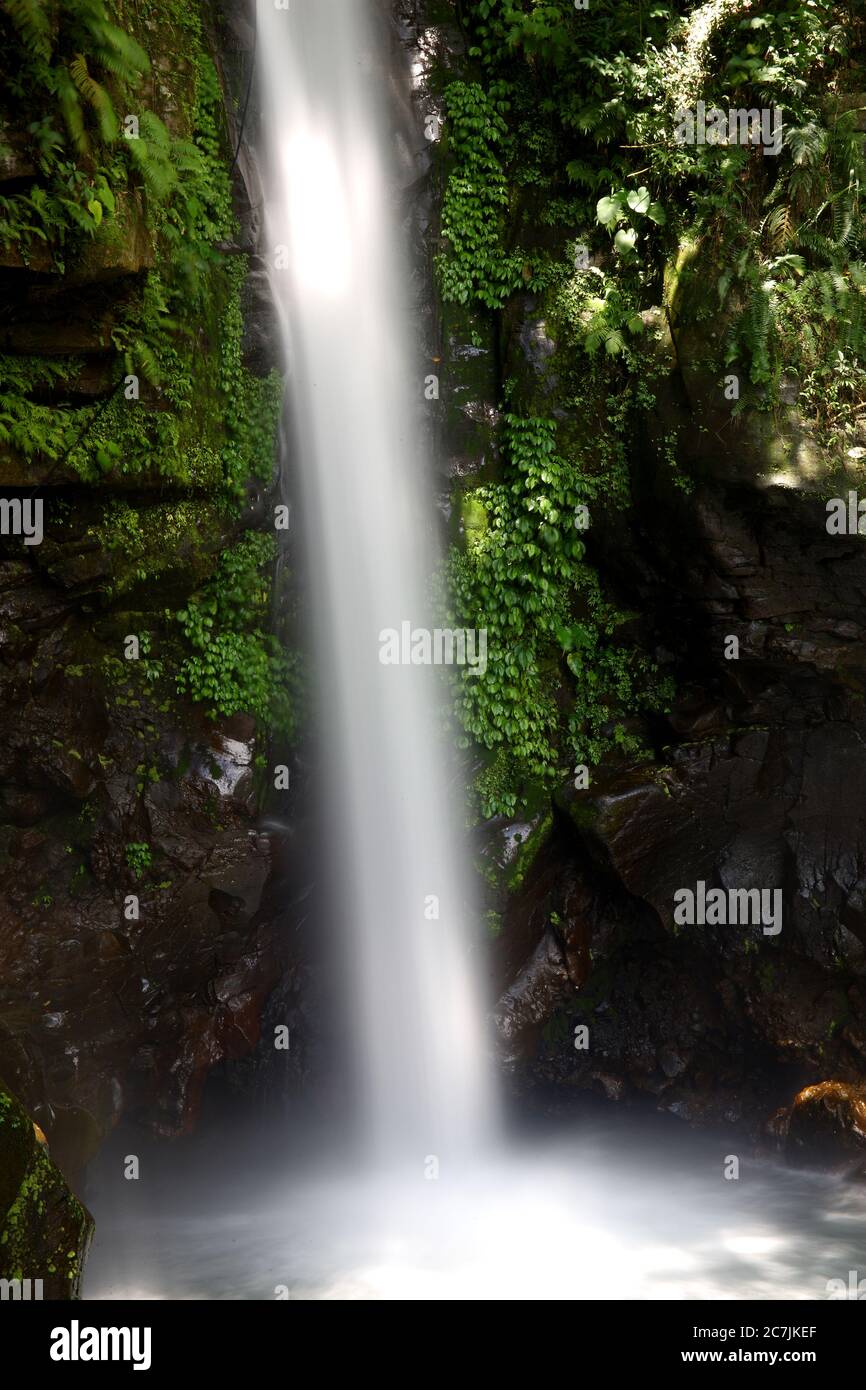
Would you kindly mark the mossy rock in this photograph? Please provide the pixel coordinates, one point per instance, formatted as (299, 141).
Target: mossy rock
(17, 1143)
(123, 246)
(511, 849)
(44, 1229)
(469, 390)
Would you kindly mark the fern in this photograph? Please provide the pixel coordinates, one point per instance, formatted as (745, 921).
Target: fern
(118, 52)
(96, 96)
(778, 227)
(32, 22)
(70, 108)
(807, 144)
(152, 156)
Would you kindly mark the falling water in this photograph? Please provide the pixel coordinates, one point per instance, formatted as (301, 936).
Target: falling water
(342, 285)
(609, 1212)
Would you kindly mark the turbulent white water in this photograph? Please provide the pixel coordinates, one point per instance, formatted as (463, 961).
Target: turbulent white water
(341, 285)
(611, 1212)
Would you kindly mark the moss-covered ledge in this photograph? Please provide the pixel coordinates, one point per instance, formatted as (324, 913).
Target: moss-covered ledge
(44, 1229)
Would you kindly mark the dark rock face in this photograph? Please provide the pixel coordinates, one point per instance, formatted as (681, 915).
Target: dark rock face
(146, 976)
(139, 938)
(758, 783)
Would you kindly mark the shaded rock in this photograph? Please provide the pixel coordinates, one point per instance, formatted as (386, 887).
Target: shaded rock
(543, 983)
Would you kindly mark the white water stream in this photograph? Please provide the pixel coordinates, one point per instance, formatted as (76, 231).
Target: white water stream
(341, 285)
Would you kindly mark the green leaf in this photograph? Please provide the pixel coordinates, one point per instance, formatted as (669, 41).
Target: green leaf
(610, 210)
(639, 201)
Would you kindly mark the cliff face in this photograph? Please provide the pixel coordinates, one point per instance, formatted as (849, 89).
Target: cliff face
(616, 326)
(143, 697)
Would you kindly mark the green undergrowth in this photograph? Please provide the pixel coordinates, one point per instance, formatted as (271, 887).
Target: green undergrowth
(564, 176)
(560, 673)
(176, 401)
(563, 131)
(236, 665)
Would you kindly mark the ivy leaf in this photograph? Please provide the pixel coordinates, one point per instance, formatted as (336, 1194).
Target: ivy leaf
(656, 213)
(624, 241)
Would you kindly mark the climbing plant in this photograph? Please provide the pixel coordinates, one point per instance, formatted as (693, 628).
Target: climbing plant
(523, 578)
(235, 665)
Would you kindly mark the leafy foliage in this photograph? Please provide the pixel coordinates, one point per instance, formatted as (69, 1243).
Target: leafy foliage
(595, 94)
(475, 265)
(138, 858)
(236, 666)
(70, 65)
(565, 176)
(523, 577)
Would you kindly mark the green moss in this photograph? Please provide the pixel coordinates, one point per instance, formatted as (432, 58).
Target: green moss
(145, 542)
(44, 1230)
(196, 417)
(178, 411)
(528, 852)
(473, 515)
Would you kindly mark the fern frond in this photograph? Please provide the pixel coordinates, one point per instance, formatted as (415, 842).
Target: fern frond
(96, 96)
(152, 163)
(32, 22)
(807, 144)
(843, 218)
(153, 130)
(145, 358)
(70, 107)
(118, 52)
(778, 227)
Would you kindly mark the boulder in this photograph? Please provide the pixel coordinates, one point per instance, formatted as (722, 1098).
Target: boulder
(825, 1127)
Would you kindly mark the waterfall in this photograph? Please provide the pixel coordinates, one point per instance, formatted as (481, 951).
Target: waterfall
(341, 282)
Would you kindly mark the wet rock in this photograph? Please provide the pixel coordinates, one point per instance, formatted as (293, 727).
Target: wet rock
(261, 335)
(825, 1127)
(542, 985)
